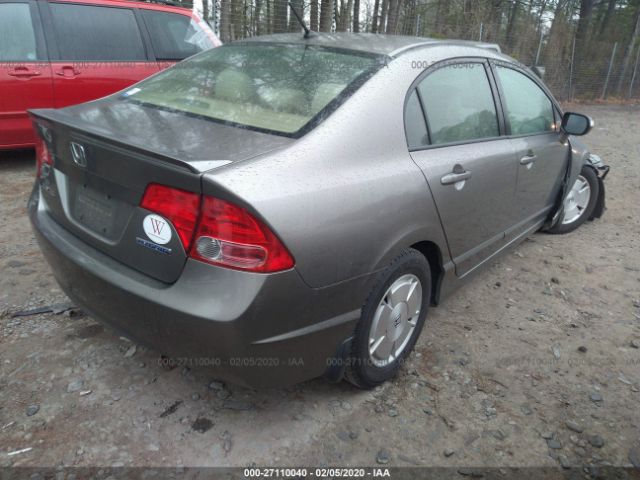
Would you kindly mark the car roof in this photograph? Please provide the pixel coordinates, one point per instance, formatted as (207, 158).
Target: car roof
(147, 5)
(390, 45)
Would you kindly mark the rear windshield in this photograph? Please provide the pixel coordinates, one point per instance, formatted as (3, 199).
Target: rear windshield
(279, 88)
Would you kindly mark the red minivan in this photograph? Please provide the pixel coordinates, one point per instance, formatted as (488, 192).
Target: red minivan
(56, 53)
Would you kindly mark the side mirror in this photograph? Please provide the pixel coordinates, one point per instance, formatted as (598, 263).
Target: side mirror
(576, 124)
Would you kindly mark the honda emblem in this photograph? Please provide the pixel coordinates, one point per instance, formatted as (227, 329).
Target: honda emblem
(78, 154)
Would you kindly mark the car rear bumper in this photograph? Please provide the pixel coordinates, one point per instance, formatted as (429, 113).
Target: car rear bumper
(251, 329)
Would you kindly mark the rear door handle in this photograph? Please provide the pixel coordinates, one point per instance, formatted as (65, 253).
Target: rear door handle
(455, 177)
(24, 72)
(528, 159)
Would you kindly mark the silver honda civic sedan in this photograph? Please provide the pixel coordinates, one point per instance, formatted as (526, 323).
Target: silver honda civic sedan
(283, 208)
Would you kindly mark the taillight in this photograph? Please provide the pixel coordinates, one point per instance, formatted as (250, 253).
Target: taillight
(225, 234)
(230, 236)
(43, 155)
(178, 206)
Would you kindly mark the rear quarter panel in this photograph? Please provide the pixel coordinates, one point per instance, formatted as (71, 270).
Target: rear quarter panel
(346, 198)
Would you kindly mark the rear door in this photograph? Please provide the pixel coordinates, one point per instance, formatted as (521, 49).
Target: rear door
(176, 36)
(25, 74)
(533, 126)
(98, 50)
(467, 163)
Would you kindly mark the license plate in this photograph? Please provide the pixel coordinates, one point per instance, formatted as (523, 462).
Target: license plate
(95, 210)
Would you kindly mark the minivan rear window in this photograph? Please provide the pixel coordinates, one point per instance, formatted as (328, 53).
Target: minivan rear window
(279, 88)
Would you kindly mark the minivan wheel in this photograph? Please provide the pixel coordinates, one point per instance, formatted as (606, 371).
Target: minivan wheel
(391, 321)
(579, 202)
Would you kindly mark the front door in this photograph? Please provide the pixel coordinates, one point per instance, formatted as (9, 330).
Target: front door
(540, 155)
(468, 165)
(25, 74)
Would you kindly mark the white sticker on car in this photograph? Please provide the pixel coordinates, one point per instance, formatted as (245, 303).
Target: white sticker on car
(157, 228)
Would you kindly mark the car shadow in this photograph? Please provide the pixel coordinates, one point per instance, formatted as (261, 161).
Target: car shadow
(15, 160)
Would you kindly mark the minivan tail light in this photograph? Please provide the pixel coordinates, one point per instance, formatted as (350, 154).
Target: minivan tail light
(178, 206)
(230, 236)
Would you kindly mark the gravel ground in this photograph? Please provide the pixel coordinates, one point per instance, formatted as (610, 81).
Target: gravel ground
(533, 363)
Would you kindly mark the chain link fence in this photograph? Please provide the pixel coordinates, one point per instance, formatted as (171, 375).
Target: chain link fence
(589, 70)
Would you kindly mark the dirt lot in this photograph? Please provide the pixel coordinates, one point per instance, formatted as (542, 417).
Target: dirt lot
(534, 363)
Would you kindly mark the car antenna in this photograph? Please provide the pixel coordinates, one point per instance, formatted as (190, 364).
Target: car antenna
(307, 33)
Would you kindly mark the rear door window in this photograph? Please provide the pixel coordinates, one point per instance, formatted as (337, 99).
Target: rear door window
(175, 36)
(528, 109)
(17, 37)
(92, 33)
(459, 105)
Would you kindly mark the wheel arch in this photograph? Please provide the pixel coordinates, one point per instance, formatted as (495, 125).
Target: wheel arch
(599, 209)
(577, 157)
(432, 253)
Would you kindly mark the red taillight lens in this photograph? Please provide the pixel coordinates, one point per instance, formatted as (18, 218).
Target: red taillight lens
(230, 236)
(226, 235)
(43, 155)
(178, 206)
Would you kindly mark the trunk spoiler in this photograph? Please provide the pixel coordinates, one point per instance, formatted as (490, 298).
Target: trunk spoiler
(48, 117)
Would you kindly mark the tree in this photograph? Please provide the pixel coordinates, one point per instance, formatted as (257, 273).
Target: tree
(356, 16)
(586, 9)
(442, 15)
(374, 22)
(382, 21)
(513, 18)
(629, 50)
(392, 21)
(294, 24)
(342, 14)
(225, 20)
(313, 13)
(517, 25)
(606, 18)
(326, 15)
(257, 19)
(279, 16)
(205, 10)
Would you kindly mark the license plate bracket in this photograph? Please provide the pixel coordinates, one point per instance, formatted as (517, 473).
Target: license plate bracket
(95, 211)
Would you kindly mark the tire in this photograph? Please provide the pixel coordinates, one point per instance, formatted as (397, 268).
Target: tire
(573, 216)
(390, 305)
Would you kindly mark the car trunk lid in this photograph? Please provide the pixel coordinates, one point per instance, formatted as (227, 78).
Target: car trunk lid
(99, 178)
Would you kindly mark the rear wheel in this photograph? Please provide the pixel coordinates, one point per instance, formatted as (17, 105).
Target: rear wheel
(579, 202)
(391, 321)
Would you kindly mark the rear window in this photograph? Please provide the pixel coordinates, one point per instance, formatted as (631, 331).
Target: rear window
(175, 36)
(278, 88)
(89, 33)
